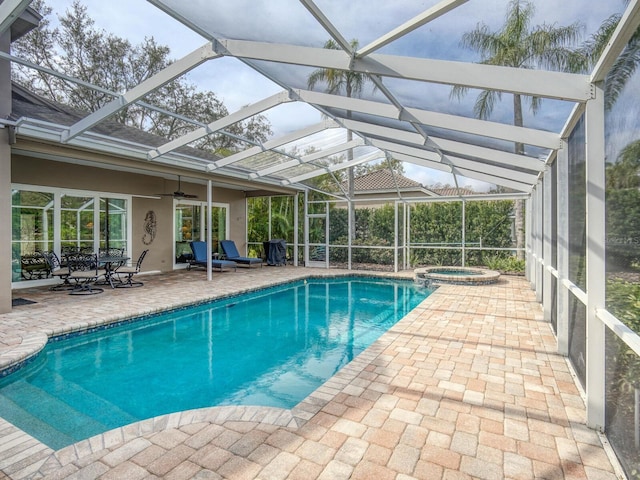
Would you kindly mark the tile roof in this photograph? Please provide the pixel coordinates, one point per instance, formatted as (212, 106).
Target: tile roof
(452, 191)
(383, 180)
(378, 180)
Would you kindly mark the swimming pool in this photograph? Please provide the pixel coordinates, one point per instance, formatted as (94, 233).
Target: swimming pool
(270, 348)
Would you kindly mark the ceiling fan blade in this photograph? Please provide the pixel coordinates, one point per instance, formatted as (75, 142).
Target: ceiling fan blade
(178, 193)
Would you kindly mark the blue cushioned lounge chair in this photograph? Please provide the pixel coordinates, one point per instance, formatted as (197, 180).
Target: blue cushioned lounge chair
(231, 252)
(199, 250)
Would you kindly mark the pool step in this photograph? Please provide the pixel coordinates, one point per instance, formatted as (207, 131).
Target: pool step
(39, 414)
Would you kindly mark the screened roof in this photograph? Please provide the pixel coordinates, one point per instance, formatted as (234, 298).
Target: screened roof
(409, 57)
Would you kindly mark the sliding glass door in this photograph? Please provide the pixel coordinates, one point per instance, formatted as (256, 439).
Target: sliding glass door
(51, 219)
(191, 223)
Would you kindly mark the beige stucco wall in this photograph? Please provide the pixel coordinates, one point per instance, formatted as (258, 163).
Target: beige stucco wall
(44, 172)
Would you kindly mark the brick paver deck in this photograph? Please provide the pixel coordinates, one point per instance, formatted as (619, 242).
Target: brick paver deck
(468, 385)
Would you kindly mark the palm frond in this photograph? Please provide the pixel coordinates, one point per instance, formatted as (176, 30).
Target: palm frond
(622, 70)
(485, 102)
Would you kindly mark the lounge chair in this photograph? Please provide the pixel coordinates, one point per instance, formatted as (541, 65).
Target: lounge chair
(199, 250)
(231, 252)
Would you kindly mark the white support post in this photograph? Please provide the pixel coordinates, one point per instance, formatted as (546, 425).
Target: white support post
(269, 219)
(539, 233)
(534, 238)
(547, 205)
(296, 226)
(306, 228)
(407, 231)
(396, 229)
(464, 233)
(528, 253)
(596, 273)
(350, 229)
(210, 230)
(326, 238)
(563, 248)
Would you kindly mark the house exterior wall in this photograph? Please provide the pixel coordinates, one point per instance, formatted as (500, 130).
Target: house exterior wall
(59, 174)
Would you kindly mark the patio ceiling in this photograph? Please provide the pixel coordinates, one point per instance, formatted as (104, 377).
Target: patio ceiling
(392, 119)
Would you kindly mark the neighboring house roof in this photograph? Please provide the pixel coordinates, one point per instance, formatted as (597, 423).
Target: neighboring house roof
(379, 181)
(383, 180)
(452, 191)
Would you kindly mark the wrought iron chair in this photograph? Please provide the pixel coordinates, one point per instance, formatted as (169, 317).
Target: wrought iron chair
(84, 270)
(129, 272)
(34, 266)
(57, 270)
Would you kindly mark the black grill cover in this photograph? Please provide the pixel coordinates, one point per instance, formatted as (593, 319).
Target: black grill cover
(276, 252)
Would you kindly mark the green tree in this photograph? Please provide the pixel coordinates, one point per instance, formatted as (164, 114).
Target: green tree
(623, 208)
(519, 45)
(625, 172)
(352, 84)
(81, 51)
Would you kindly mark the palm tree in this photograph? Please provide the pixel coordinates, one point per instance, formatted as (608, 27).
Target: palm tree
(623, 68)
(351, 83)
(519, 46)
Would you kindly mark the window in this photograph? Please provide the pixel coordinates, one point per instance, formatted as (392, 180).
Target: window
(49, 219)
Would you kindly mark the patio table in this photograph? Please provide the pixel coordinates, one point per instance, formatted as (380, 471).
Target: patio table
(110, 262)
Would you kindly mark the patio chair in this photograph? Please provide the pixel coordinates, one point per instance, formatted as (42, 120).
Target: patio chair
(129, 271)
(231, 252)
(199, 250)
(34, 266)
(57, 270)
(84, 270)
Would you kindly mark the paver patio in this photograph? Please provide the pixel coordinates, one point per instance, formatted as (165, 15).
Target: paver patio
(468, 385)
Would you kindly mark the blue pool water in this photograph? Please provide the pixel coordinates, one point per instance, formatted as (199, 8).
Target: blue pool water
(269, 348)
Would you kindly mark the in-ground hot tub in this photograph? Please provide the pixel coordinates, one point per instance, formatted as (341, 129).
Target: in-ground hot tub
(456, 275)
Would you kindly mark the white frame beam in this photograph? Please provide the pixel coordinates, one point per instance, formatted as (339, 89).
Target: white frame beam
(171, 72)
(482, 153)
(627, 26)
(327, 25)
(477, 175)
(356, 142)
(451, 163)
(407, 27)
(213, 127)
(499, 131)
(272, 144)
(538, 83)
(10, 10)
(334, 168)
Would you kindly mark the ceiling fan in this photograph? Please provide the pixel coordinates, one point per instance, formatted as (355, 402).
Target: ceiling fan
(178, 193)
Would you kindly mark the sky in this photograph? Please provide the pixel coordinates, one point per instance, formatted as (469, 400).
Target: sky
(287, 21)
